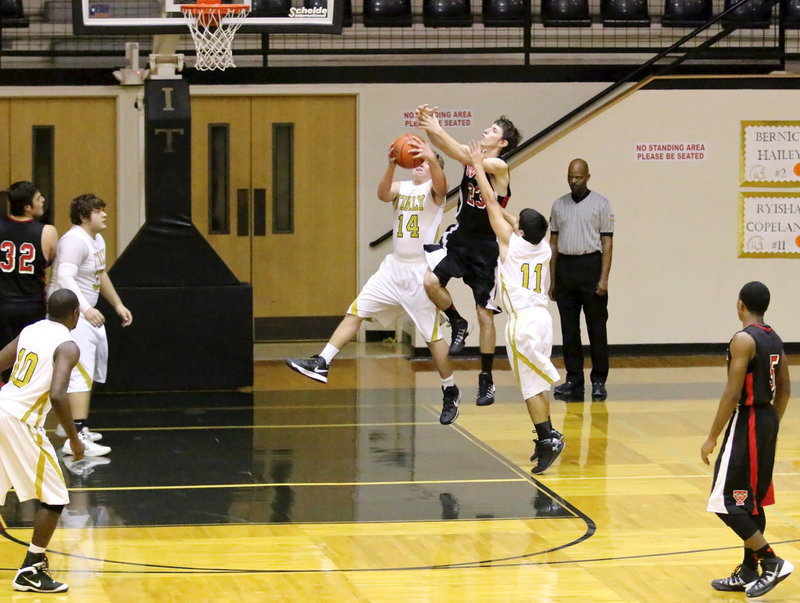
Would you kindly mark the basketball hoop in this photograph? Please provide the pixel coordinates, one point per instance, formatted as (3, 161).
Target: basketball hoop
(213, 27)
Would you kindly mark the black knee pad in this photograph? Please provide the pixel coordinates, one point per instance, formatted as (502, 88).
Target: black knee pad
(54, 508)
(744, 525)
(760, 520)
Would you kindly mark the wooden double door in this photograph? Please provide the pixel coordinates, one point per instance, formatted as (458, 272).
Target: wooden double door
(274, 192)
(67, 147)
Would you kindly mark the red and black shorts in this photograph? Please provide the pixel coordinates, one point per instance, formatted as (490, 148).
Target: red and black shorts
(473, 259)
(743, 471)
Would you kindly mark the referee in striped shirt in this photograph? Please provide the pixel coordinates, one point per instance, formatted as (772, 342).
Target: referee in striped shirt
(581, 237)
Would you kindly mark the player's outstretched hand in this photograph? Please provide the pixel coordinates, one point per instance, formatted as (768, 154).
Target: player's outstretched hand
(475, 153)
(706, 449)
(428, 122)
(426, 110)
(421, 149)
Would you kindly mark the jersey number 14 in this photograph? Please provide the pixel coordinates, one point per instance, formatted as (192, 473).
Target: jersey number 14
(411, 226)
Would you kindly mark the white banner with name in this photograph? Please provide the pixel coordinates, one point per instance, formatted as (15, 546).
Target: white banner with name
(770, 153)
(770, 225)
(670, 151)
(448, 118)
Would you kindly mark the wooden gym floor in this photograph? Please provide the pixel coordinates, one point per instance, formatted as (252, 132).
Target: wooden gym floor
(353, 491)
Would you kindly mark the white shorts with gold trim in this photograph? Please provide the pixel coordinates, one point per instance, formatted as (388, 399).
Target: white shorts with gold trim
(397, 288)
(529, 344)
(93, 364)
(29, 464)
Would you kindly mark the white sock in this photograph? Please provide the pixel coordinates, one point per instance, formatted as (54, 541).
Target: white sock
(36, 549)
(329, 353)
(449, 382)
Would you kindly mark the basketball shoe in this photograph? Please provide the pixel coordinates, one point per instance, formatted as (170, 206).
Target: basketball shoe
(451, 396)
(314, 368)
(547, 452)
(554, 434)
(485, 390)
(36, 578)
(89, 447)
(737, 581)
(773, 571)
(93, 435)
(460, 331)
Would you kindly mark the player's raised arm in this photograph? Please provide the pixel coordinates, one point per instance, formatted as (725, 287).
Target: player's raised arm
(424, 151)
(497, 218)
(387, 187)
(742, 348)
(441, 139)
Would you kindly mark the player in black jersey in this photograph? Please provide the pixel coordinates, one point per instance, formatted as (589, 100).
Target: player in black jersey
(468, 249)
(753, 404)
(27, 247)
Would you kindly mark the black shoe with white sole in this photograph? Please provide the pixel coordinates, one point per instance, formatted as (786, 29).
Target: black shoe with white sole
(451, 396)
(547, 451)
(459, 339)
(485, 390)
(554, 434)
(737, 581)
(314, 368)
(773, 572)
(36, 578)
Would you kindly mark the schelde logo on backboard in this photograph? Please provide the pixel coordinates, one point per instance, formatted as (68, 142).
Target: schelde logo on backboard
(317, 11)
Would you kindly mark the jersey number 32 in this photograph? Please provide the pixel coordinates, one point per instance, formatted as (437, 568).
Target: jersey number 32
(22, 261)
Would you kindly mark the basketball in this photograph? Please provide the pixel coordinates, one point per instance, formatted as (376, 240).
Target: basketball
(403, 152)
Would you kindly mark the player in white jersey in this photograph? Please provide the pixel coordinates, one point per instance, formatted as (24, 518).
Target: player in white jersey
(43, 355)
(397, 286)
(524, 273)
(80, 266)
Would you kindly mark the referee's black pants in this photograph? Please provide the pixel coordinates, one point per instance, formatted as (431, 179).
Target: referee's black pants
(575, 290)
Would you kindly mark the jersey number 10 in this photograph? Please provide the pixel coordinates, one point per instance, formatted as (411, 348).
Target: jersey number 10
(24, 367)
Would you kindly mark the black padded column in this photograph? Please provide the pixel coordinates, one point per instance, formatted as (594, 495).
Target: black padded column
(192, 318)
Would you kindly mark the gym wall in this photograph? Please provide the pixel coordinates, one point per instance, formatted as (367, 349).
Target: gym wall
(676, 272)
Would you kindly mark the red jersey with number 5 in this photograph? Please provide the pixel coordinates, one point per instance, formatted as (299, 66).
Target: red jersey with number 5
(759, 383)
(22, 261)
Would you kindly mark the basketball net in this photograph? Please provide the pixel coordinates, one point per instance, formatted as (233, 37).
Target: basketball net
(213, 27)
